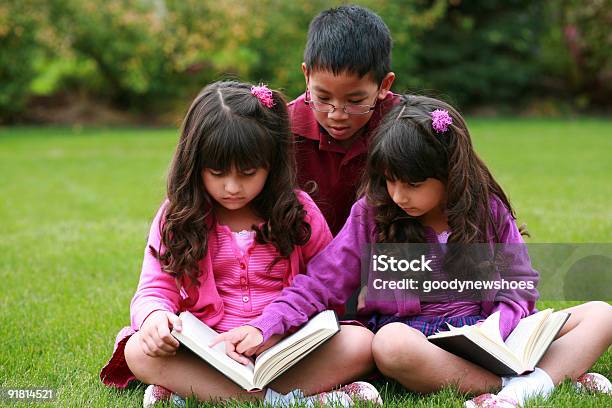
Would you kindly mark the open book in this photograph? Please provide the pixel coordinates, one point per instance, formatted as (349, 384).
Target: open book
(197, 336)
(522, 350)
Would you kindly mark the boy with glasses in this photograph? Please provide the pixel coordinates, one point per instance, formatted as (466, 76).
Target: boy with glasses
(348, 79)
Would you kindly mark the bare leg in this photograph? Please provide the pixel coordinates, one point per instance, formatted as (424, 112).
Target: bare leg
(345, 358)
(405, 354)
(342, 359)
(184, 374)
(584, 338)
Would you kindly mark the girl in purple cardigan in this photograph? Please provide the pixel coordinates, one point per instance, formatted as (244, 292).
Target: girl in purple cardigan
(231, 235)
(426, 184)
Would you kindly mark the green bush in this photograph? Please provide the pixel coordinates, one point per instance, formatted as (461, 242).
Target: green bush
(20, 21)
(153, 55)
(482, 52)
(576, 54)
(142, 52)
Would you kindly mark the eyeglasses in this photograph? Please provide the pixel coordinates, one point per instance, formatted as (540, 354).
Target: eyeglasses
(349, 108)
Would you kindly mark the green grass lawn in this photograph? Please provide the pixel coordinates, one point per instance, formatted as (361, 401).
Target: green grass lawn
(76, 208)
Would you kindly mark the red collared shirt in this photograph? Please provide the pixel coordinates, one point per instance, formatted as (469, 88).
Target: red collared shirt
(335, 170)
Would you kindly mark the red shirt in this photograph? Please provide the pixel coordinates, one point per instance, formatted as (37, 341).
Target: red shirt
(335, 170)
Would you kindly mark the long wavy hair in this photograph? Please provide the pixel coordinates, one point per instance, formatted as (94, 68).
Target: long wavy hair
(406, 148)
(227, 126)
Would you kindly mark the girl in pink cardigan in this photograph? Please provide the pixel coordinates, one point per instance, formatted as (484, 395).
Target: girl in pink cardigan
(232, 233)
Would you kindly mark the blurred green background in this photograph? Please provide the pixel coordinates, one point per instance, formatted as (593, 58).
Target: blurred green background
(142, 61)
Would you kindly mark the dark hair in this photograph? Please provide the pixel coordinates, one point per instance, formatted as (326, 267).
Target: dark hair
(226, 126)
(349, 38)
(405, 147)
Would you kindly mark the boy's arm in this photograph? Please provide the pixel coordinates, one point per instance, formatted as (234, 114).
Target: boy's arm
(157, 290)
(330, 278)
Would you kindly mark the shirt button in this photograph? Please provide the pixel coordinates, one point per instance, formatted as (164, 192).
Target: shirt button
(242, 265)
(245, 299)
(243, 280)
(245, 288)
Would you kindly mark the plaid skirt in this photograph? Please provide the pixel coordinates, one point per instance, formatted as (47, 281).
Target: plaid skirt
(427, 325)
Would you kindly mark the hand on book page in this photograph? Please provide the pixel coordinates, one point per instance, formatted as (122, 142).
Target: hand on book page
(271, 342)
(240, 342)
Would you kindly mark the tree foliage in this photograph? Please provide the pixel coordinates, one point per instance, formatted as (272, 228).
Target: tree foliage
(145, 55)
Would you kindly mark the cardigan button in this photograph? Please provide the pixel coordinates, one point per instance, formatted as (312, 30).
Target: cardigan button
(242, 265)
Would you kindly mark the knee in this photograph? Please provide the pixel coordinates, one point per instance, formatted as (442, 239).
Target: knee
(141, 365)
(598, 310)
(396, 347)
(602, 311)
(356, 346)
(603, 307)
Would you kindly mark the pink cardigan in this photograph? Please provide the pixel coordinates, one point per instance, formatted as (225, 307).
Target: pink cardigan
(158, 290)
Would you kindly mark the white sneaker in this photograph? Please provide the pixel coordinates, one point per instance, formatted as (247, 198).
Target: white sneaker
(156, 393)
(490, 401)
(593, 382)
(297, 398)
(363, 391)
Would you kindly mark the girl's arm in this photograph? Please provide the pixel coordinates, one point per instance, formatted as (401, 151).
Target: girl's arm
(331, 277)
(157, 290)
(513, 304)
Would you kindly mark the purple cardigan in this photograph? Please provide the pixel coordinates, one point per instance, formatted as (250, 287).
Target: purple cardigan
(334, 274)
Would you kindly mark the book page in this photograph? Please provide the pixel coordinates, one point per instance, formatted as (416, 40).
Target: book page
(324, 320)
(500, 351)
(486, 338)
(452, 331)
(290, 357)
(196, 335)
(324, 325)
(521, 340)
(490, 328)
(551, 327)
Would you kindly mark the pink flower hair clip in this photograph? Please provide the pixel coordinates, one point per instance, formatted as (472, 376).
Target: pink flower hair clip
(264, 94)
(440, 119)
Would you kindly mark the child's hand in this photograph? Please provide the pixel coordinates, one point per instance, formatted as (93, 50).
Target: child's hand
(240, 342)
(154, 334)
(361, 299)
(269, 343)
